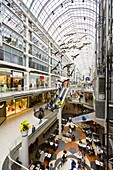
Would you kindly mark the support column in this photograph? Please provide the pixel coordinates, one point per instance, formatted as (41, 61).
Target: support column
(23, 152)
(49, 64)
(27, 45)
(49, 80)
(28, 101)
(1, 23)
(60, 123)
(27, 49)
(107, 87)
(74, 72)
(28, 81)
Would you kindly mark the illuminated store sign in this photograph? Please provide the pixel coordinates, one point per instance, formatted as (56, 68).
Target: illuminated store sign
(16, 74)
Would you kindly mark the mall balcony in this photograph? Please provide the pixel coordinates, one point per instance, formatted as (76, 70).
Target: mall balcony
(44, 127)
(7, 93)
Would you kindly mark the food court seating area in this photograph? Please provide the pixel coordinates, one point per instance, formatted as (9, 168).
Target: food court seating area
(89, 145)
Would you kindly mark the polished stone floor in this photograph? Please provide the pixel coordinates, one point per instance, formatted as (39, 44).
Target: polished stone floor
(9, 131)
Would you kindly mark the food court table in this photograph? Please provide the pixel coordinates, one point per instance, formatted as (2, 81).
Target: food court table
(82, 145)
(99, 163)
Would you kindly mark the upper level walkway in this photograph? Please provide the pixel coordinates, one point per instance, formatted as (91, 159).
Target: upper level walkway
(14, 94)
(9, 130)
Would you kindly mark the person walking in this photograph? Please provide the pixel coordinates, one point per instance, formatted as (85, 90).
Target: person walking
(34, 110)
(40, 117)
(51, 166)
(64, 156)
(33, 128)
(42, 157)
(83, 160)
(73, 165)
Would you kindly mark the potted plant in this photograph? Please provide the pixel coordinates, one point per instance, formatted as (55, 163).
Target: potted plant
(59, 103)
(24, 127)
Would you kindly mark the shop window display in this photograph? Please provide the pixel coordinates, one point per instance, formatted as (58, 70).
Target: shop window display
(10, 107)
(21, 105)
(35, 100)
(4, 83)
(38, 83)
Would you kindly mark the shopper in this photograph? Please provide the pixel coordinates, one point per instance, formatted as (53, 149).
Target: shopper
(33, 128)
(51, 166)
(73, 165)
(41, 110)
(42, 157)
(83, 161)
(64, 156)
(47, 168)
(34, 110)
(40, 117)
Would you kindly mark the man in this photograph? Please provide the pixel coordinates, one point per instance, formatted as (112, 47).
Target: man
(64, 157)
(33, 128)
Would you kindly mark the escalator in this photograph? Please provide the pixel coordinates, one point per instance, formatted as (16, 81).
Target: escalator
(61, 96)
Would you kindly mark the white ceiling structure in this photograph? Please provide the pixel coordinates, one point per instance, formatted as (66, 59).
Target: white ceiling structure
(71, 23)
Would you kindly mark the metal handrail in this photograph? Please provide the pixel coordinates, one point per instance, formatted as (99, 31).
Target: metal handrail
(111, 160)
(17, 163)
(16, 142)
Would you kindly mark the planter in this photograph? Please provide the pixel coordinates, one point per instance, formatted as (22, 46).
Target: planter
(24, 133)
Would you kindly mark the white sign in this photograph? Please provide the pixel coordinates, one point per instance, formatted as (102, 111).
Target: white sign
(17, 74)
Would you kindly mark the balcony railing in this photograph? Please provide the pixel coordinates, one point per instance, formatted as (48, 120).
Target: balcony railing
(17, 142)
(23, 91)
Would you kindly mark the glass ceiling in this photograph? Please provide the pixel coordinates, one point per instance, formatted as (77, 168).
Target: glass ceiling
(71, 23)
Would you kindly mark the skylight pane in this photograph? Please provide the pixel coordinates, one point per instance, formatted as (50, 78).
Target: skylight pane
(61, 17)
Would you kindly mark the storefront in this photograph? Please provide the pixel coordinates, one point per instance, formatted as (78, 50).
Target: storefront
(33, 100)
(2, 111)
(5, 81)
(37, 81)
(16, 106)
(17, 79)
(10, 107)
(54, 81)
(21, 104)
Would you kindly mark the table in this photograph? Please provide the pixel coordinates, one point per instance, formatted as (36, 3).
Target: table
(38, 168)
(51, 143)
(72, 125)
(79, 156)
(96, 141)
(56, 145)
(68, 137)
(89, 139)
(99, 163)
(48, 155)
(95, 134)
(52, 136)
(35, 166)
(82, 145)
(32, 167)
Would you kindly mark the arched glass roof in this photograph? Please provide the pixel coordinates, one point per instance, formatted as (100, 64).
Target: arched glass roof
(71, 23)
